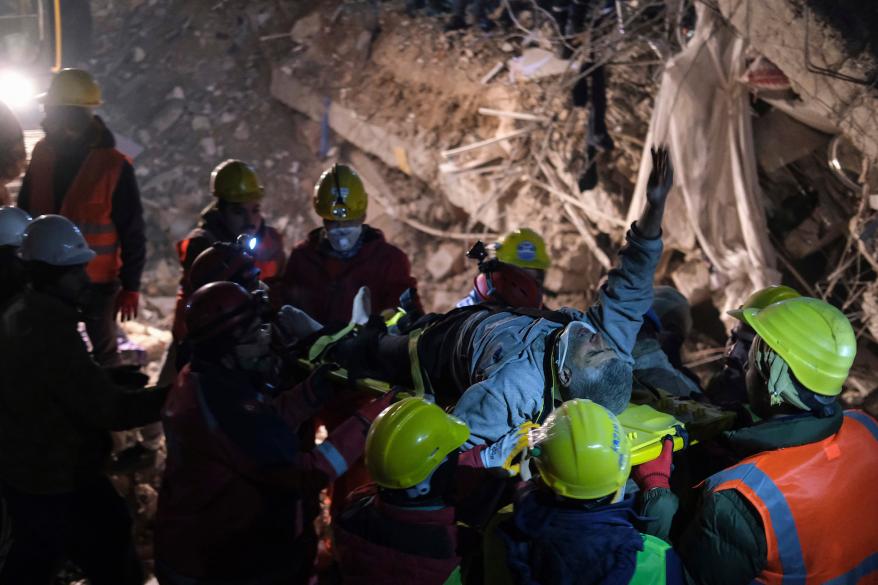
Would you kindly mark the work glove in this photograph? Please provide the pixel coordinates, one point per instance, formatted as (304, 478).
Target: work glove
(295, 324)
(126, 305)
(506, 451)
(656, 473)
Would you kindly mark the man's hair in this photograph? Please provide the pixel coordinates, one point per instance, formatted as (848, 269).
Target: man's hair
(608, 383)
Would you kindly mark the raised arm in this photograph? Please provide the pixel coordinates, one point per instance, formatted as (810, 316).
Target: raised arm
(627, 294)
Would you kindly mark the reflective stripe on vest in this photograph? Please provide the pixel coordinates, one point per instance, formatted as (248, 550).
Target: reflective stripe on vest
(88, 202)
(789, 487)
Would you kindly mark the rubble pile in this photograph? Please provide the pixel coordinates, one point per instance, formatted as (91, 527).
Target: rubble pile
(462, 136)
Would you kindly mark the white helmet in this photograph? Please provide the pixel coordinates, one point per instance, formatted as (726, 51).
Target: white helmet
(55, 240)
(12, 223)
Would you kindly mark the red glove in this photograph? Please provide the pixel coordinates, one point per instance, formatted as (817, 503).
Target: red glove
(656, 473)
(126, 305)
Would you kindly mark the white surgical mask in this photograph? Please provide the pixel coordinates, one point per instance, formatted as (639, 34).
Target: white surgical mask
(343, 239)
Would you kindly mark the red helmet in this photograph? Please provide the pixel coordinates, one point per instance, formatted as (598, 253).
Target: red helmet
(219, 308)
(223, 261)
(509, 285)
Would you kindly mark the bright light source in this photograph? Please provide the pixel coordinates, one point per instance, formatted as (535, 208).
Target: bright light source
(252, 243)
(16, 90)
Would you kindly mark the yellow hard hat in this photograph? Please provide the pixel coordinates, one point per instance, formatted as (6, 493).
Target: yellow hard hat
(764, 297)
(814, 338)
(236, 182)
(408, 440)
(585, 454)
(339, 194)
(524, 248)
(72, 87)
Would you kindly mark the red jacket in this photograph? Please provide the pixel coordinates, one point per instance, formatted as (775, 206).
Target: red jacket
(324, 286)
(231, 497)
(376, 542)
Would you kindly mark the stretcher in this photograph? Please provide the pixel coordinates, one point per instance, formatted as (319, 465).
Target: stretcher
(644, 424)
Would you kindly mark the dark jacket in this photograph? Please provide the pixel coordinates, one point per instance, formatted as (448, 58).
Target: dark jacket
(724, 543)
(324, 286)
(230, 504)
(56, 404)
(549, 544)
(127, 213)
(12, 278)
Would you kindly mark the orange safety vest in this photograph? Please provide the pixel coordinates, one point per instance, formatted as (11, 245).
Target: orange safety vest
(88, 203)
(816, 503)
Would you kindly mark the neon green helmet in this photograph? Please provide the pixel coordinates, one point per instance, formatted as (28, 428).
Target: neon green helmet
(408, 440)
(523, 248)
(764, 297)
(236, 182)
(586, 454)
(814, 338)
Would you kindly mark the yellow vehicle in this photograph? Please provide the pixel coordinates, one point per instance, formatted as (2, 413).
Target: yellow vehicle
(37, 38)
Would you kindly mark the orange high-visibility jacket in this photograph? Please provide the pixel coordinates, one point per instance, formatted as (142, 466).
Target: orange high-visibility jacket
(88, 203)
(817, 507)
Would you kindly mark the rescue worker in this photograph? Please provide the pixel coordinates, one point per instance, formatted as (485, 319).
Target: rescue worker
(405, 530)
(516, 278)
(57, 407)
(665, 326)
(499, 366)
(792, 506)
(13, 156)
(13, 222)
(727, 388)
(325, 271)
(573, 524)
(76, 171)
(236, 211)
(230, 505)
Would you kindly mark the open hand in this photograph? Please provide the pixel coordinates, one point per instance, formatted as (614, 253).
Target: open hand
(661, 178)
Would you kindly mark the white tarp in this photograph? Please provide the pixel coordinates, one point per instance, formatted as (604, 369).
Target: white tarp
(702, 113)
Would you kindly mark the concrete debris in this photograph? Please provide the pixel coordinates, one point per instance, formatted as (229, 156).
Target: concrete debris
(242, 131)
(536, 63)
(446, 260)
(200, 123)
(692, 279)
(307, 27)
(168, 115)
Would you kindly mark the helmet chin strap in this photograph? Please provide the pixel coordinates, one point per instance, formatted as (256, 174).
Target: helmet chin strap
(421, 489)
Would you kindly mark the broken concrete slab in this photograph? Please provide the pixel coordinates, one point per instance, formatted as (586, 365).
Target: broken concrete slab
(781, 140)
(778, 30)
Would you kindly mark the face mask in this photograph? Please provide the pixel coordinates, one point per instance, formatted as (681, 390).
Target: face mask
(257, 356)
(342, 239)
